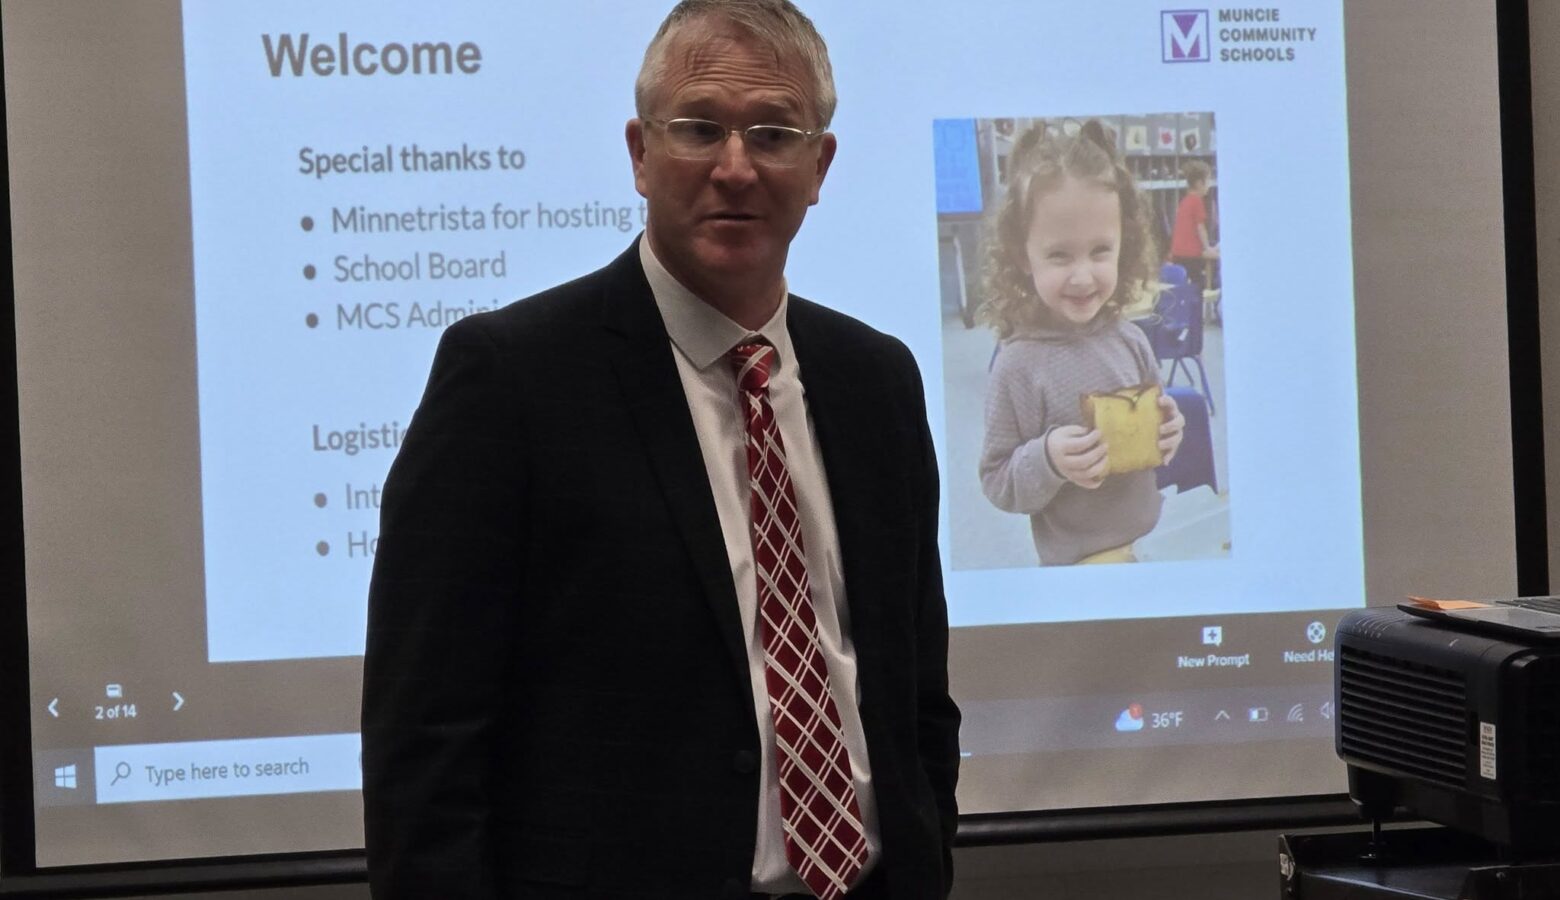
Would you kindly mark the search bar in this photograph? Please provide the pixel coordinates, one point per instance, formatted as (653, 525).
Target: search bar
(138, 773)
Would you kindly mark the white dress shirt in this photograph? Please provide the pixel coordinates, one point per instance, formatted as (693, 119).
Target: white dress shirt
(701, 338)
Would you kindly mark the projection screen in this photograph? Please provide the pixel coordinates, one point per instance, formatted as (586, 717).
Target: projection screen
(240, 228)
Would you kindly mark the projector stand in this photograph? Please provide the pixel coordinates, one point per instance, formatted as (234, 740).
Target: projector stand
(1419, 863)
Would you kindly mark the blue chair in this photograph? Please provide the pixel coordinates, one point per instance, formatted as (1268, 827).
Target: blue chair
(1176, 334)
(1193, 462)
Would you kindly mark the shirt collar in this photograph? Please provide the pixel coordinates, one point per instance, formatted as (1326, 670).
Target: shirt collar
(703, 333)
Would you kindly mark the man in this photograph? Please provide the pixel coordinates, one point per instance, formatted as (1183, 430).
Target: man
(646, 620)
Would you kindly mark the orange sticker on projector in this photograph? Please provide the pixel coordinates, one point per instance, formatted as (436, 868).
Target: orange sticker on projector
(1429, 603)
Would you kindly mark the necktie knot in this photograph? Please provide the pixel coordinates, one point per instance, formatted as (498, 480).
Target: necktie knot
(751, 361)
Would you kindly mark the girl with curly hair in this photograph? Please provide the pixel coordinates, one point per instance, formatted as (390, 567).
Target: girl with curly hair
(1070, 248)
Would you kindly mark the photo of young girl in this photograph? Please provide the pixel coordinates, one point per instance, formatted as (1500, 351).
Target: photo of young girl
(1071, 247)
(1079, 301)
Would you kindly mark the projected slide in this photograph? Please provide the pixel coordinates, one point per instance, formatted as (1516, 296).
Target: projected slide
(357, 189)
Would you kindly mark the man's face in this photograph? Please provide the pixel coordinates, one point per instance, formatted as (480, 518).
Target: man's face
(723, 226)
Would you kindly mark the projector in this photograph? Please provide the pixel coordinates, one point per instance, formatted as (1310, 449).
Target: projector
(1458, 727)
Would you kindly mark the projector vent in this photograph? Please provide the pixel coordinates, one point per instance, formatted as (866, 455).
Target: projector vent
(1542, 691)
(1402, 715)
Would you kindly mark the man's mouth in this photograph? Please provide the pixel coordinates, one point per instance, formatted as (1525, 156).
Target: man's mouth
(732, 217)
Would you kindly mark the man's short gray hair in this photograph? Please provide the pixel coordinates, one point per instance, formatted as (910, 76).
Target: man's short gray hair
(776, 24)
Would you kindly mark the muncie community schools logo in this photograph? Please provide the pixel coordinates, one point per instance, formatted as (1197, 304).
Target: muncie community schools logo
(1183, 34)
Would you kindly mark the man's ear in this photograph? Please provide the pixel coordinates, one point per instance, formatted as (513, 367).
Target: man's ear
(826, 147)
(634, 134)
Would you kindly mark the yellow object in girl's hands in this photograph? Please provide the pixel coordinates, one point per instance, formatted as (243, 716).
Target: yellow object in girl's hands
(1128, 422)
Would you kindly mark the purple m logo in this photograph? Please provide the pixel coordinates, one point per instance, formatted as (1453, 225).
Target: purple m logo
(1184, 35)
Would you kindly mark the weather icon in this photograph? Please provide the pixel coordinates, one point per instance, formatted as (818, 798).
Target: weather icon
(1131, 718)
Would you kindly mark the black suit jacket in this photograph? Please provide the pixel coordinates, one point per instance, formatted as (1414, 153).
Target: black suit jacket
(556, 696)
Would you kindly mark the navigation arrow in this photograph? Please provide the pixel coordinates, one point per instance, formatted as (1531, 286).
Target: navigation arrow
(178, 701)
(54, 707)
(1222, 716)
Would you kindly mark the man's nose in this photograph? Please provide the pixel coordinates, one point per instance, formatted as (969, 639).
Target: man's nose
(733, 166)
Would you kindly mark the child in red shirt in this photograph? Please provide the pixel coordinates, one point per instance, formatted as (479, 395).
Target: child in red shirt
(1190, 246)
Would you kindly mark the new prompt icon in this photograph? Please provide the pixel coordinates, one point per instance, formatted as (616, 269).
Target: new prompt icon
(1213, 635)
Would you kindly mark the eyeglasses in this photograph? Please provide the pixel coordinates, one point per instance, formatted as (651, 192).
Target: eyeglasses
(779, 146)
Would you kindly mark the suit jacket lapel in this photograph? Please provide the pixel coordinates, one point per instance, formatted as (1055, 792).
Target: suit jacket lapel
(641, 356)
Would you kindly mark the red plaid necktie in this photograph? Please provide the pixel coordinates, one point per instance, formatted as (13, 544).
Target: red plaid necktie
(824, 839)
